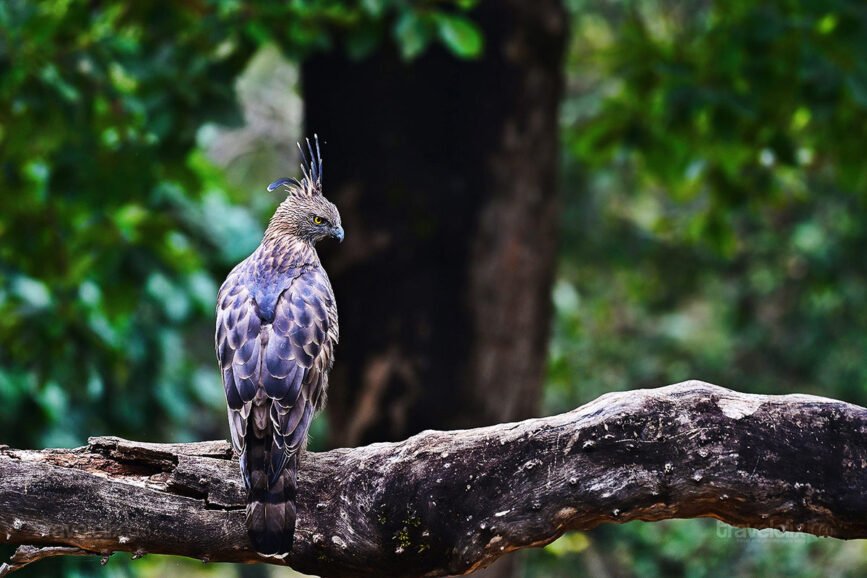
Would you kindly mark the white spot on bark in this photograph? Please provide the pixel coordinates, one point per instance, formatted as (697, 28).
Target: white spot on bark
(565, 513)
(123, 539)
(272, 556)
(571, 442)
(501, 514)
(17, 524)
(737, 408)
(338, 541)
(530, 464)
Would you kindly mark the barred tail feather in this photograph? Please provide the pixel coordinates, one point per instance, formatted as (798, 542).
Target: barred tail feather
(270, 507)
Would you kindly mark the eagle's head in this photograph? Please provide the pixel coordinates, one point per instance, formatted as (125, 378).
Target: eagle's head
(305, 213)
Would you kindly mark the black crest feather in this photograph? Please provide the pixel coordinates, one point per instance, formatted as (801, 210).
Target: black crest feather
(284, 182)
(311, 168)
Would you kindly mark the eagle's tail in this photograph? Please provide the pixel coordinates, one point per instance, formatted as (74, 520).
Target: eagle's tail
(270, 502)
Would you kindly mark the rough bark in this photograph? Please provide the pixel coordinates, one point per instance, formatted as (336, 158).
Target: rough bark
(446, 179)
(451, 502)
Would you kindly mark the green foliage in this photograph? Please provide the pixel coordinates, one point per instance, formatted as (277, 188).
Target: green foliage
(107, 261)
(696, 549)
(415, 30)
(719, 235)
(713, 229)
(460, 35)
(115, 234)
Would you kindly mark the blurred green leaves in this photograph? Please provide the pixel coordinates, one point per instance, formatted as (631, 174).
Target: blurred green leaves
(415, 30)
(114, 231)
(713, 228)
(714, 184)
(107, 279)
(460, 35)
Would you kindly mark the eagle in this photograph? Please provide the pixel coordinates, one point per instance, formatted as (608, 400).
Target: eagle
(276, 333)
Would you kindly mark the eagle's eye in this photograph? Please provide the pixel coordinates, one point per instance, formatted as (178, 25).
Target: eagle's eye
(317, 220)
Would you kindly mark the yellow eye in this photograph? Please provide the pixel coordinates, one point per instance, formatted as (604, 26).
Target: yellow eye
(317, 220)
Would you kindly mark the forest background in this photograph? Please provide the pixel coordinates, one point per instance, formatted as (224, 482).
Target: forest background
(702, 213)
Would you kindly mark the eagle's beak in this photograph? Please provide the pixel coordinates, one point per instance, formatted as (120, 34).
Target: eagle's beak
(337, 233)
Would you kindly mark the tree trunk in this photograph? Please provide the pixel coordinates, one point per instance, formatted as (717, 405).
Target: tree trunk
(445, 172)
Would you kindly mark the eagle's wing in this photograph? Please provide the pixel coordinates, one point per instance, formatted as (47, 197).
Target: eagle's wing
(238, 342)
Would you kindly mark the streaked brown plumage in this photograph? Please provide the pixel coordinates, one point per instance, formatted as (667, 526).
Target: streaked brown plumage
(276, 332)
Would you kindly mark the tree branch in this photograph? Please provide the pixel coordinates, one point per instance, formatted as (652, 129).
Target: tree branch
(450, 502)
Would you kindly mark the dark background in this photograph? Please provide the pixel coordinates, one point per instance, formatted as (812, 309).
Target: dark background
(544, 201)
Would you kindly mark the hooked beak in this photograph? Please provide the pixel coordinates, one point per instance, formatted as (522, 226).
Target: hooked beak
(337, 233)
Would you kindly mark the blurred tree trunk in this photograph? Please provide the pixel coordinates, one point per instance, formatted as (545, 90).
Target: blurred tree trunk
(445, 171)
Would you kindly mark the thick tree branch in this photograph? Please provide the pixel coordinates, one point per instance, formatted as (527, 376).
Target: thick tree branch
(450, 502)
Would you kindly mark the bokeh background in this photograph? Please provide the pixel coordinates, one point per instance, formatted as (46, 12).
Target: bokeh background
(544, 201)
